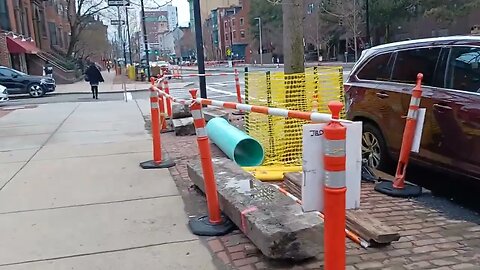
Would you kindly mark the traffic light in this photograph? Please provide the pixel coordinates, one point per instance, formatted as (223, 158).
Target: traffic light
(156, 52)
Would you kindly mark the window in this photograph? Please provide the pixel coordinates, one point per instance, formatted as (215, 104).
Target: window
(60, 37)
(233, 22)
(241, 21)
(234, 34)
(7, 72)
(66, 39)
(242, 34)
(226, 36)
(52, 31)
(226, 24)
(463, 71)
(377, 69)
(41, 21)
(411, 62)
(4, 17)
(310, 8)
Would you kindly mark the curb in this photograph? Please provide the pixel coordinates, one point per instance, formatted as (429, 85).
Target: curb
(102, 92)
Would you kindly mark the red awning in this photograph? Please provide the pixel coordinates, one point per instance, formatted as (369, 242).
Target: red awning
(16, 45)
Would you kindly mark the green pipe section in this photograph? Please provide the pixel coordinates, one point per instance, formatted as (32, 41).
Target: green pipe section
(237, 145)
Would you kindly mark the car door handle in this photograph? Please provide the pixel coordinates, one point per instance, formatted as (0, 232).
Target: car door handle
(382, 95)
(442, 107)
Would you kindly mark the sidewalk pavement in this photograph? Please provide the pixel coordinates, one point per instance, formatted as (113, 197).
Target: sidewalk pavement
(72, 195)
(112, 84)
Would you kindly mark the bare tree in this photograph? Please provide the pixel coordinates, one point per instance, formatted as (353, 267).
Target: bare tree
(93, 40)
(293, 16)
(80, 12)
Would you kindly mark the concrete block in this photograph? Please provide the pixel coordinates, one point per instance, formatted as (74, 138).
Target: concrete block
(184, 126)
(210, 113)
(180, 111)
(272, 221)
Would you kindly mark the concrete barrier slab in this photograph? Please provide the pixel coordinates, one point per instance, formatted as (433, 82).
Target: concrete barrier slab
(272, 221)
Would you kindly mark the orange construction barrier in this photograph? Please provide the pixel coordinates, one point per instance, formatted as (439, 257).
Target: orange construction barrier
(214, 224)
(334, 159)
(398, 188)
(158, 161)
(168, 101)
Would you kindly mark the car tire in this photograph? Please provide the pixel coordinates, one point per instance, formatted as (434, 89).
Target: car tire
(35, 90)
(374, 148)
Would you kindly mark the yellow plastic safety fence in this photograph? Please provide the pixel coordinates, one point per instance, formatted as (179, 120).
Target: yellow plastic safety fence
(280, 137)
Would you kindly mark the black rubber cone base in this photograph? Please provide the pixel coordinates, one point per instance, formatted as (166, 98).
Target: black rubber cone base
(202, 226)
(386, 187)
(166, 163)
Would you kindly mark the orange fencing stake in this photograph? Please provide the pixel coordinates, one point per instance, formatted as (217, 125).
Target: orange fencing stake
(215, 223)
(168, 101)
(334, 159)
(398, 188)
(158, 161)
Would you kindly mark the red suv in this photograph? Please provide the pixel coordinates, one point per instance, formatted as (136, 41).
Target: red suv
(379, 89)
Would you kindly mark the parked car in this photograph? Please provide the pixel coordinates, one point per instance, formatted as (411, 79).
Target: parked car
(378, 92)
(3, 94)
(18, 82)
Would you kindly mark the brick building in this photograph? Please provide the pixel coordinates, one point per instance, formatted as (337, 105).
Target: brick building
(34, 31)
(156, 24)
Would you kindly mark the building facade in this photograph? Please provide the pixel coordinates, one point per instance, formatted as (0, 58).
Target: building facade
(172, 16)
(156, 24)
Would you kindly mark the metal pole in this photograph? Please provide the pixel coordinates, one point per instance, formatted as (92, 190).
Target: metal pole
(199, 41)
(145, 41)
(261, 45)
(367, 15)
(128, 34)
(119, 32)
(355, 28)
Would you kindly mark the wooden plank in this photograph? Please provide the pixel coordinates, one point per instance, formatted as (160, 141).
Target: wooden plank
(358, 221)
(370, 228)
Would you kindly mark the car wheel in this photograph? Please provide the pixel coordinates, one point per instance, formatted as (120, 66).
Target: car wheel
(374, 148)
(35, 90)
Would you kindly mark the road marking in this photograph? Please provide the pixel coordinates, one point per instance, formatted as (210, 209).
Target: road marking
(222, 92)
(129, 96)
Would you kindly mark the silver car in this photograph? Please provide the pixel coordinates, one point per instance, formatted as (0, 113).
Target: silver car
(3, 94)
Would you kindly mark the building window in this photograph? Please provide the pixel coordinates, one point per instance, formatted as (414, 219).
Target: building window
(241, 21)
(233, 22)
(41, 21)
(226, 36)
(60, 37)
(4, 18)
(66, 39)
(226, 24)
(242, 34)
(310, 8)
(234, 34)
(52, 30)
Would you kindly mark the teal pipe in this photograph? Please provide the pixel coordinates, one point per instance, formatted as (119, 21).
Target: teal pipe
(237, 145)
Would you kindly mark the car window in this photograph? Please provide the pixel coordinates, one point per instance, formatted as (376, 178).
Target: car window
(377, 69)
(6, 72)
(409, 63)
(463, 71)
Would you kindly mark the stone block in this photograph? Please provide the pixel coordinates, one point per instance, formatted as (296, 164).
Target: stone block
(210, 113)
(183, 126)
(272, 221)
(180, 111)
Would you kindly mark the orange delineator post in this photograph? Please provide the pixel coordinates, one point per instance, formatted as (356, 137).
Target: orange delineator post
(168, 101)
(334, 159)
(408, 134)
(206, 160)
(237, 87)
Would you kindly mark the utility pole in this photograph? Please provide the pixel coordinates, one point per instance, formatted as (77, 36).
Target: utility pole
(199, 41)
(119, 34)
(261, 44)
(355, 29)
(367, 20)
(293, 36)
(145, 41)
(128, 34)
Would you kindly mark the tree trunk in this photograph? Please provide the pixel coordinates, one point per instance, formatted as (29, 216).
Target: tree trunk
(293, 51)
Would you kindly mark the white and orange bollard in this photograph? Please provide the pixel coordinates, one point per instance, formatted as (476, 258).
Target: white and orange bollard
(334, 160)
(158, 160)
(215, 223)
(168, 101)
(399, 188)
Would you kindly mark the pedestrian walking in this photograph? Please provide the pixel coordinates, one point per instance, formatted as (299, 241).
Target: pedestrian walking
(48, 69)
(93, 75)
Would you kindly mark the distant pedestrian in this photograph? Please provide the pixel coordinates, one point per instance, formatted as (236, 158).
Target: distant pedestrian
(108, 68)
(93, 75)
(48, 69)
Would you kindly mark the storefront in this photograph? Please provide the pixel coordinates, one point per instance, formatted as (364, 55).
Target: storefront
(18, 47)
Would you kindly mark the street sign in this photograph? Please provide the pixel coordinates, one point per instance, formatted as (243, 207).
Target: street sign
(117, 22)
(116, 3)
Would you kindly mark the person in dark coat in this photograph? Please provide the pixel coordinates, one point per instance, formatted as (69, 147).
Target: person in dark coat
(93, 75)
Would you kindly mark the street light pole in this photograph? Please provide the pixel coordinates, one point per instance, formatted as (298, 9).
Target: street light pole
(367, 15)
(200, 53)
(261, 45)
(128, 34)
(145, 41)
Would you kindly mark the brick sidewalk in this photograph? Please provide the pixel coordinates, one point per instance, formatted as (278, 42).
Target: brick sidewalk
(430, 239)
